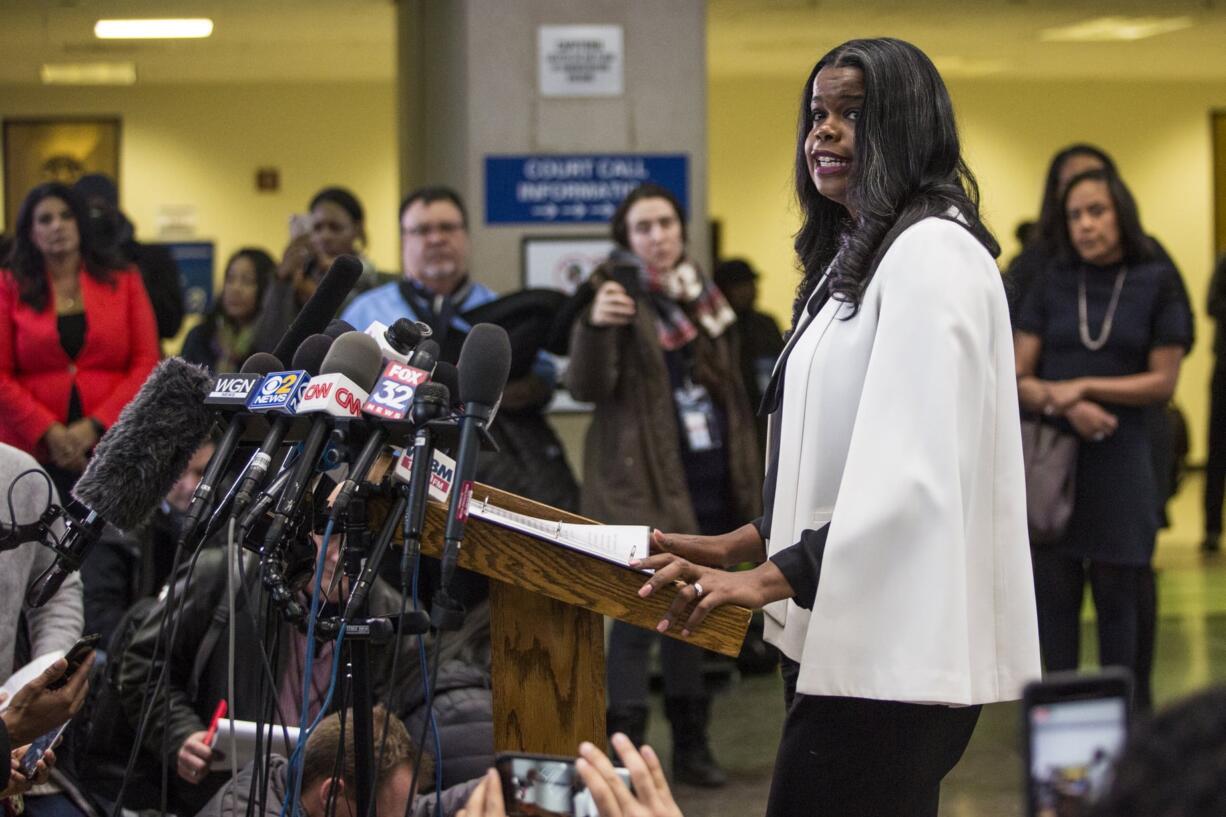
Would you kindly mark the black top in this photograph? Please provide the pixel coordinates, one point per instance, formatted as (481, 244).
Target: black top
(1115, 516)
(72, 339)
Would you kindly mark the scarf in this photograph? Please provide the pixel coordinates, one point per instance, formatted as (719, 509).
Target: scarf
(682, 296)
(232, 345)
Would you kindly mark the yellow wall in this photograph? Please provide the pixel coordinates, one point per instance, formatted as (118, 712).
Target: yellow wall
(201, 144)
(1159, 133)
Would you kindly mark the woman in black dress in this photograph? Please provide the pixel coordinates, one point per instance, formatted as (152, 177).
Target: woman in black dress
(1100, 339)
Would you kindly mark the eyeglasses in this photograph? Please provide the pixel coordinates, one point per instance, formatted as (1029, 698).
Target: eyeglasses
(444, 228)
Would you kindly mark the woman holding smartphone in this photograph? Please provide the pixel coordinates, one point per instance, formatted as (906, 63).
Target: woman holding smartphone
(672, 442)
(894, 563)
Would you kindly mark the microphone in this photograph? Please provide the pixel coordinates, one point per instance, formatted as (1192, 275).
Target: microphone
(448, 375)
(485, 362)
(399, 340)
(348, 373)
(337, 327)
(430, 403)
(309, 358)
(389, 400)
(321, 306)
(134, 465)
(229, 392)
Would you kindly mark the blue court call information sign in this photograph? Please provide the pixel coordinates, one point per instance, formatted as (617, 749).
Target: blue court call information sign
(575, 189)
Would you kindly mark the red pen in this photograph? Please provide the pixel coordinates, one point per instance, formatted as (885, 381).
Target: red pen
(218, 714)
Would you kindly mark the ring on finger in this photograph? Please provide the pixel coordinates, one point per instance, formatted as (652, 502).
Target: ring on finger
(698, 591)
(1100, 436)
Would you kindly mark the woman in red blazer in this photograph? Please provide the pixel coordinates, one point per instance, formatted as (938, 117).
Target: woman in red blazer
(77, 335)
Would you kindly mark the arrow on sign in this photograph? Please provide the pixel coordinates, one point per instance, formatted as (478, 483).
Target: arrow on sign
(575, 210)
(604, 210)
(546, 211)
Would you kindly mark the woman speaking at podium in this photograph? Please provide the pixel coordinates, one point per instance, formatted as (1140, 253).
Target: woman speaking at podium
(894, 563)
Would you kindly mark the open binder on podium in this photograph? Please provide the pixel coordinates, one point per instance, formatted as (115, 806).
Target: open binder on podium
(546, 608)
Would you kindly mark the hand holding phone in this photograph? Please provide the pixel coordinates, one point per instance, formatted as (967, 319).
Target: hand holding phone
(36, 750)
(299, 225)
(76, 656)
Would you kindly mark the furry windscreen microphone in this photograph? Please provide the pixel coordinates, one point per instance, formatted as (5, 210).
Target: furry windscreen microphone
(321, 306)
(138, 459)
(310, 355)
(484, 364)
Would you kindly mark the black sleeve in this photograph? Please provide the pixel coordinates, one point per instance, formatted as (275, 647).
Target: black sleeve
(1031, 316)
(197, 347)
(6, 750)
(1217, 292)
(107, 575)
(801, 565)
(138, 662)
(757, 525)
(1172, 324)
(161, 276)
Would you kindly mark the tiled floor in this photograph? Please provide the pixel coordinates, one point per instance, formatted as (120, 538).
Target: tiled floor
(1191, 653)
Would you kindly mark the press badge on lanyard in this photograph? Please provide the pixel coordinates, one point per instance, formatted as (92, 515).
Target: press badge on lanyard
(698, 420)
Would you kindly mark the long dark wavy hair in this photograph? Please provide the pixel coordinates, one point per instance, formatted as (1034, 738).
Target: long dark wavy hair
(1138, 247)
(265, 267)
(1051, 224)
(907, 166)
(26, 260)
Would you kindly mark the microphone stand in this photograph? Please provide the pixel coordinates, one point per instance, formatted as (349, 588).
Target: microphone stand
(357, 550)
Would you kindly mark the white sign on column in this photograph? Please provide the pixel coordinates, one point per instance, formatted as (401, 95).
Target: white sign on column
(580, 60)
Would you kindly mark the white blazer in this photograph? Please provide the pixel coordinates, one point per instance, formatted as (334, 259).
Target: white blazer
(901, 430)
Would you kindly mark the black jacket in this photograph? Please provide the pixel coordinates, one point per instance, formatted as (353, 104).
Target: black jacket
(197, 677)
(161, 276)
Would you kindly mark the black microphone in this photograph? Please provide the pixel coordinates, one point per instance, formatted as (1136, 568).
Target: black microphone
(337, 327)
(448, 375)
(134, 465)
(308, 358)
(429, 403)
(350, 369)
(229, 392)
(421, 362)
(321, 306)
(485, 362)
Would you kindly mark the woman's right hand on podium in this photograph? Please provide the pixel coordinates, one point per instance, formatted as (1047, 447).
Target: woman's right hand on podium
(725, 550)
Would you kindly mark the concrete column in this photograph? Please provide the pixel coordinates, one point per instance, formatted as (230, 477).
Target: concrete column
(468, 89)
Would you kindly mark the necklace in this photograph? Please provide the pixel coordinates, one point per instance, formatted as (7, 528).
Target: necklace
(1083, 320)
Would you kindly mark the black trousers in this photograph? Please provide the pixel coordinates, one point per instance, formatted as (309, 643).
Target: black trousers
(1125, 604)
(627, 663)
(1215, 465)
(851, 757)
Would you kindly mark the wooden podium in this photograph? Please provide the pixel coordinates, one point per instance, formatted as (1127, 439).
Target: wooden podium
(546, 630)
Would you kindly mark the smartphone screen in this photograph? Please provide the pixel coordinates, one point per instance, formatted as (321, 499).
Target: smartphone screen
(1072, 747)
(540, 784)
(38, 747)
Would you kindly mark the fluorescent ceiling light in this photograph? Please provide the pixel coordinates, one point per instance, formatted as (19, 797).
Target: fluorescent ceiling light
(88, 73)
(152, 29)
(1114, 29)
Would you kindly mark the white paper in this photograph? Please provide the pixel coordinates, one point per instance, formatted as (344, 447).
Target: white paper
(245, 733)
(619, 544)
(27, 674)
